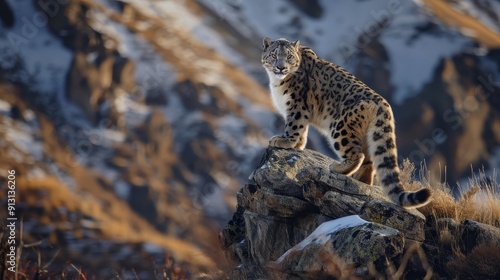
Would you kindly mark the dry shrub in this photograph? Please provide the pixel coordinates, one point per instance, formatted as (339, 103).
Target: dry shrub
(488, 205)
(478, 202)
(443, 204)
(483, 262)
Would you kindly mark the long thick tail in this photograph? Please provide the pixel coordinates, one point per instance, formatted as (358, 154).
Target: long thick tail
(382, 149)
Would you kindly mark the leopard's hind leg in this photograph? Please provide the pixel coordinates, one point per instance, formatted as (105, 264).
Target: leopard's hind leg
(351, 153)
(365, 173)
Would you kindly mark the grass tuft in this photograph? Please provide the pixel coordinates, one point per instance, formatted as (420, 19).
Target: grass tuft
(479, 201)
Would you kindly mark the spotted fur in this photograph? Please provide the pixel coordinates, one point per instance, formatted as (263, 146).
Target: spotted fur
(358, 122)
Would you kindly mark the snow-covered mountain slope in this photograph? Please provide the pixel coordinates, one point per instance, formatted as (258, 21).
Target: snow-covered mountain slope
(347, 27)
(161, 107)
(397, 48)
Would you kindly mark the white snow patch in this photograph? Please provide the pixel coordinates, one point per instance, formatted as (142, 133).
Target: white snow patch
(102, 136)
(23, 137)
(135, 113)
(36, 172)
(228, 133)
(5, 107)
(229, 127)
(151, 71)
(111, 135)
(251, 176)
(122, 189)
(265, 165)
(182, 18)
(410, 74)
(213, 202)
(322, 234)
(29, 115)
(292, 160)
(152, 248)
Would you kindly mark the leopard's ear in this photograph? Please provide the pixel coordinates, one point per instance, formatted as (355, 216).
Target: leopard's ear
(296, 44)
(266, 42)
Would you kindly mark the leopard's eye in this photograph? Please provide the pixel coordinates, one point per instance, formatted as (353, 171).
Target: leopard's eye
(273, 55)
(289, 56)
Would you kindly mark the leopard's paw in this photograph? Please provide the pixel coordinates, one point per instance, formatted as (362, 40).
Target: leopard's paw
(281, 142)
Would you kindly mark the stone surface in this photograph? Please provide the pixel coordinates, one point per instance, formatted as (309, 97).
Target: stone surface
(234, 232)
(262, 201)
(293, 192)
(269, 237)
(466, 235)
(475, 234)
(409, 221)
(339, 183)
(279, 168)
(361, 251)
(370, 243)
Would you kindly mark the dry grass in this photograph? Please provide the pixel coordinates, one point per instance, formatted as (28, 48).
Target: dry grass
(168, 269)
(112, 218)
(481, 263)
(450, 16)
(116, 221)
(479, 201)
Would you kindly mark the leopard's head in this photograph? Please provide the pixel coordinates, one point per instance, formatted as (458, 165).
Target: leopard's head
(280, 57)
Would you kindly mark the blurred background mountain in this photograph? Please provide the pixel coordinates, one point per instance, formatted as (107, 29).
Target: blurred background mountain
(132, 124)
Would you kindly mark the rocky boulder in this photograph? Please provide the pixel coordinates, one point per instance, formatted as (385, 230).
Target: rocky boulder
(297, 220)
(342, 248)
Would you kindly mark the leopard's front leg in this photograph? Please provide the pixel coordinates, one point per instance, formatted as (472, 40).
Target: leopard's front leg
(295, 135)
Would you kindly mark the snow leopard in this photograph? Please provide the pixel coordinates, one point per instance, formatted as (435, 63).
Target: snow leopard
(357, 121)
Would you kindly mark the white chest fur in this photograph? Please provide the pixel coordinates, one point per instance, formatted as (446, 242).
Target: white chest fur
(279, 99)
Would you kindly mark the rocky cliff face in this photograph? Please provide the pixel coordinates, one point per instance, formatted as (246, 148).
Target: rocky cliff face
(297, 220)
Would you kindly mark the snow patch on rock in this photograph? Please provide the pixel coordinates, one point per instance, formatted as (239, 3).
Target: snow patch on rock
(323, 232)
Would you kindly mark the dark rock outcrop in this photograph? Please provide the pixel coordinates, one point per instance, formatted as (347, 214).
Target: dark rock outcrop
(293, 193)
(336, 248)
(297, 220)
